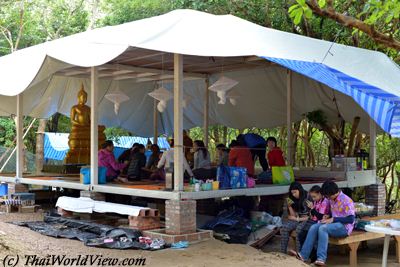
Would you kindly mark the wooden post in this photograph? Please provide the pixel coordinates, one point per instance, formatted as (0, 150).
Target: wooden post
(94, 146)
(20, 141)
(206, 112)
(178, 123)
(289, 117)
(155, 123)
(397, 240)
(372, 144)
(353, 253)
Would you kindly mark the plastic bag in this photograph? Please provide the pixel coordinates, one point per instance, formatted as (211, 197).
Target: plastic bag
(223, 177)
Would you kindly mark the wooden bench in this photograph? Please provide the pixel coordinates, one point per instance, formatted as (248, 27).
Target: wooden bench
(355, 239)
(353, 242)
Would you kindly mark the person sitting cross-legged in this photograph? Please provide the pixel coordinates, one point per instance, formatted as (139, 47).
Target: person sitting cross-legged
(341, 224)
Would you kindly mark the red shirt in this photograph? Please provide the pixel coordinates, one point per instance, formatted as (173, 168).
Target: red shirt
(275, 157)
(240, 156)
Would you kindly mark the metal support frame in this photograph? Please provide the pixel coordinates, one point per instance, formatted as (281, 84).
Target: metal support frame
(155, 123)
(20, 141)
(372, 144)
(94, 140)
(206, 112)
(178, 123)
(289, 90)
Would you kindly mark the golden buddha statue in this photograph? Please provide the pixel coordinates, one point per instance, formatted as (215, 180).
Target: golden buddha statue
(79, 138)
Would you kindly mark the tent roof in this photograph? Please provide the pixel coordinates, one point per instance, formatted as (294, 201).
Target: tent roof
(135, 55)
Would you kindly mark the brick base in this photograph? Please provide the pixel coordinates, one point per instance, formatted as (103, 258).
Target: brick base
(93, 195)
(147, 219)
(64, 213)
(375, 195)
(200, 235)
(180, 217)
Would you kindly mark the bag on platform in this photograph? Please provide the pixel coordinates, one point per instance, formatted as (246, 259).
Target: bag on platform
(282, 175)
(238, 177)
(223, 177)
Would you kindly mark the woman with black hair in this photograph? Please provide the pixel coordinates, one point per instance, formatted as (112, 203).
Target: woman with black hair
(107, 159)
(201, 155)
(298, 214)
(223, 155)
(202, 164)
(137, 163)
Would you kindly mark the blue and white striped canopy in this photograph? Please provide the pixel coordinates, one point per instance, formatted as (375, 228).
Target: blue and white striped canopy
(56, 144)
(382, 106)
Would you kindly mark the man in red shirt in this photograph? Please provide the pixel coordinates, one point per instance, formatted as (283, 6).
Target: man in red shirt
(275, 154)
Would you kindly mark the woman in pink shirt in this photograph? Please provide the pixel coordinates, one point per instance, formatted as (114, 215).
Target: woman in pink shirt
(107, 159)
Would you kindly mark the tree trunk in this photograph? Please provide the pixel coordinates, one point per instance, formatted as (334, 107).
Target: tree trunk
(53, 123)
(350, 149)
(296, 128)
(225, 135)
(359, 142)
(40, 145)
(392, 169)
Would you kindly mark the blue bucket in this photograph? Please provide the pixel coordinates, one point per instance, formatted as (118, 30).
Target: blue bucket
(85, 175)
(3, 189)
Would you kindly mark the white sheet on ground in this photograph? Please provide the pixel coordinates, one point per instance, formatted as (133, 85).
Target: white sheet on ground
(87, 205)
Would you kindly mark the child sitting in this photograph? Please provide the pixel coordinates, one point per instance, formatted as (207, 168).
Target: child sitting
(298, 215)
(319, 210)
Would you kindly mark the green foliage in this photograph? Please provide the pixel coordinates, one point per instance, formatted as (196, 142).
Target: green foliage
(113, 133)
(121, 11)
(317, 117)
(7, 132)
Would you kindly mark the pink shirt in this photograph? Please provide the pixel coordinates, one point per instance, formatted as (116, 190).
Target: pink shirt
(321, 206)
(343, 206)
(107, 159)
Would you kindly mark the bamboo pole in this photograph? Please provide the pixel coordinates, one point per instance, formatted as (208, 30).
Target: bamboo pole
(178, 123)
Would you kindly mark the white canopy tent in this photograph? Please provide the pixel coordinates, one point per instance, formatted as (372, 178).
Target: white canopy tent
(198, 47)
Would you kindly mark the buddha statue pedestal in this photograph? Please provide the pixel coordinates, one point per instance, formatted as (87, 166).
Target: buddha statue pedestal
(79, 145)
(79, 138)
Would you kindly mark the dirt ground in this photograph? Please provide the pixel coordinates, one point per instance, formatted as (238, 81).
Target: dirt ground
(21, 241)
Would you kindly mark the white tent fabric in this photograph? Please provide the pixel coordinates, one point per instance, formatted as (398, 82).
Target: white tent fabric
(367, 77)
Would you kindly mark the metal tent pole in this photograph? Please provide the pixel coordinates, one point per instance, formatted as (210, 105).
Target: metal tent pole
(206, 114)
(94, 140)
(289, 90)
(20, 142)
(155, 123)
(372, 144)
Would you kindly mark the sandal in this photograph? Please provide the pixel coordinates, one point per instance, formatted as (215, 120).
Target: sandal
(294, 253)
(319, 263)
